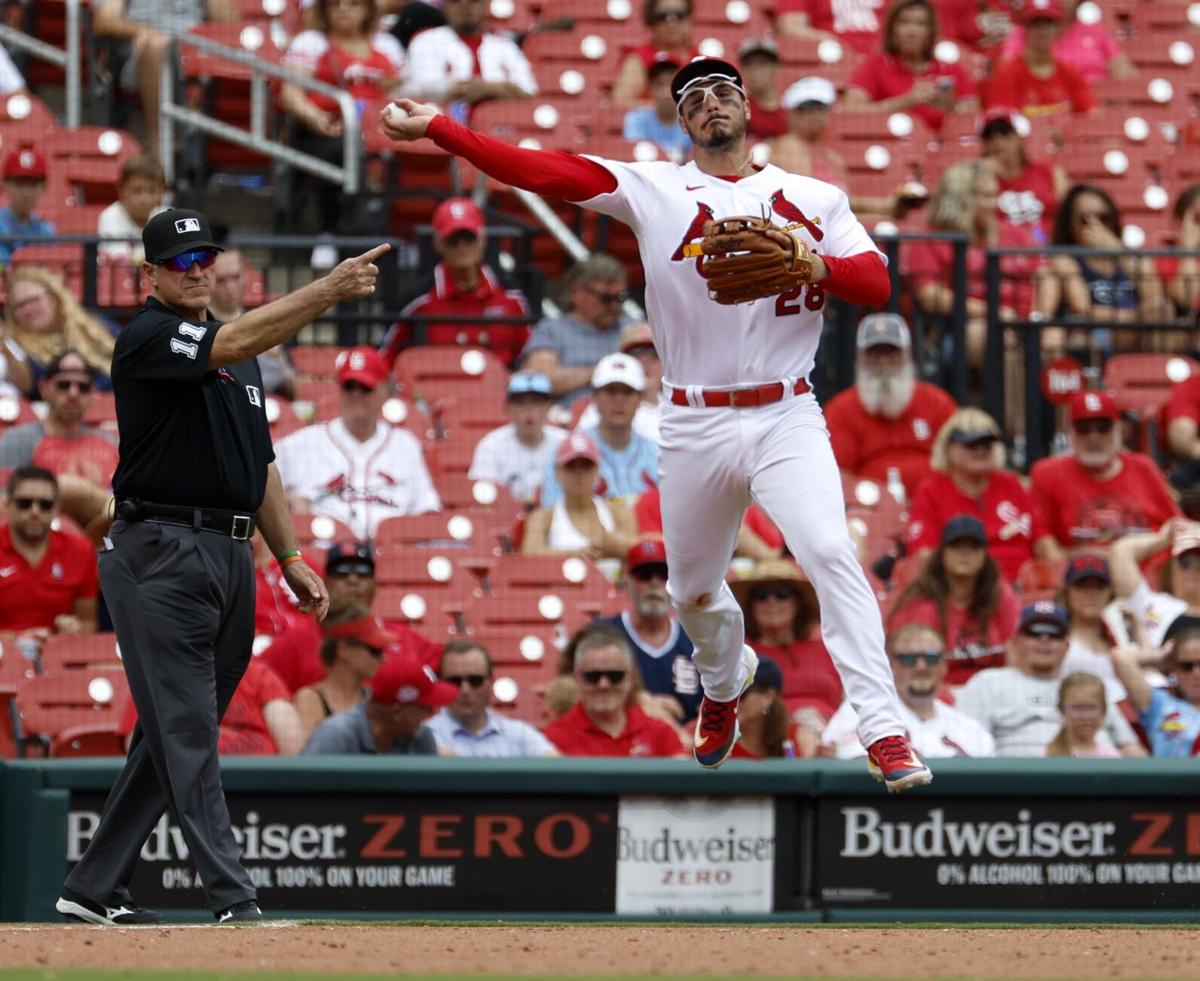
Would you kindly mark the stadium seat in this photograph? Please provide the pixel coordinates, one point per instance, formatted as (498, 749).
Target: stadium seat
(414, 566)
(15, 670)
(281, 417)
(72, 652)
(517, 690)
(65, 259)
(321, 530)
(15, 411)
(449, 457)
(519, 611)
(1142, 383)
(494, 504)
(83, 705)
(435, 373)
(523, 645)
(102, 411)
(470, 541)
(316, 362)
(1040, 579)
(575, 578)
(432, 614)
(469, 417)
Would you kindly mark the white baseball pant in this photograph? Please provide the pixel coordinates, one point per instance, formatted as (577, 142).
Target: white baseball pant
(713, 462)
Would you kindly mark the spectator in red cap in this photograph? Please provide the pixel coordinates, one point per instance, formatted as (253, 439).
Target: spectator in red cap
(24, 185)
(581, 522)
(403, 694)
(1029, 190)
(905, 76)
(349, 578)
(658, 123)
(461, 285)
(607, 720)
(357, 468)
(1099, 492)
(1089, 48)
(670, 23)
(661, 649)
(853, 22)
(1035, 82)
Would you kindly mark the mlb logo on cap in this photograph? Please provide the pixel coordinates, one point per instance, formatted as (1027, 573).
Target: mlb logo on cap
(185, 225)
(1093, 405)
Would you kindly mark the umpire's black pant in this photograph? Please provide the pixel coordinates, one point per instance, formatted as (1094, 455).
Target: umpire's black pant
(182, 603)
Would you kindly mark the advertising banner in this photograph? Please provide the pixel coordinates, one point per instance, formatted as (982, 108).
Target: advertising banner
(372, 853)
(679, 855)
(1040, 853)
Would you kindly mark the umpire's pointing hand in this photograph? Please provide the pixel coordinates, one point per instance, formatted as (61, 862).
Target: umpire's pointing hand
(355, 278)
(309, 589)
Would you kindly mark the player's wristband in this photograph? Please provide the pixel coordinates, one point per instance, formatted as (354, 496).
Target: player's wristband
(287, 558)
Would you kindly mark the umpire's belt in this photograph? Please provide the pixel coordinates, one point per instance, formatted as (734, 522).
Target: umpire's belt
(230, 523)
(738, 398)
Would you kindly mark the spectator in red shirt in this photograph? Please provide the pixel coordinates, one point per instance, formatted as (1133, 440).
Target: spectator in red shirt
(259, 721)
(905, 76)
(1181, 417)
(1035, 83)
(758, 58)
(1089, 48)
(274, 604)
(461, 285)
(961, 594)
(670, 24)
(349, 574)
(853, 22)
(1099, 492)
(766, 726)
(969, 478)
(888, 419)
(48, 578)
(607, 721)
(1180, 275)
(979, 24)
(784, 622)
(1029, 189)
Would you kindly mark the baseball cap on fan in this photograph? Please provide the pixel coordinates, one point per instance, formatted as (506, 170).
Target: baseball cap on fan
(704, 69)
(809, 91)
(457, 215)
(619, 369)
(649, 551)
(1046, 618)
(25, 162)
(1093, 405)
(174, 232)
(362, 365)
(403, 680)
(346, 557)
(1043, 10)
(577, 446)
(883, 328)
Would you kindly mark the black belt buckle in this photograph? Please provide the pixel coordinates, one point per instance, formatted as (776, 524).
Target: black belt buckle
(242, 527)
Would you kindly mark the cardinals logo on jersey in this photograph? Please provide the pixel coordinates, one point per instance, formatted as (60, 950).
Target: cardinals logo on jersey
(695, 230)
(785, 209)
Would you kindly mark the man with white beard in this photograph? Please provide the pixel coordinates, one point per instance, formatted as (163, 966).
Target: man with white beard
(888, 419)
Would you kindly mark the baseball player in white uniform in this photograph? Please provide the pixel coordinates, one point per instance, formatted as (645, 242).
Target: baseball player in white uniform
(740, 422)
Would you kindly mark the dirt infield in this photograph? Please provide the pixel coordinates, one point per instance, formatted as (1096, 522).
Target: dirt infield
(617, 951)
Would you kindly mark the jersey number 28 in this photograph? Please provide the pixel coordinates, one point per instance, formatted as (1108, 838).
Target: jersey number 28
(786, 305)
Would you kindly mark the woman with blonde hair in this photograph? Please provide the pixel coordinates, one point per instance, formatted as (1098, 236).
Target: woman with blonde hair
(969, 478)
(1083, 706)
(45, 319)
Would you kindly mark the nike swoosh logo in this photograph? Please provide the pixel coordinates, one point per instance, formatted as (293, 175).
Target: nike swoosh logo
(699, 744)
(697, 187)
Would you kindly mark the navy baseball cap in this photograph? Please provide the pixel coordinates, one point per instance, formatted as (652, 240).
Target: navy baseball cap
(701, 69)
(768, 674)
(1044, 618)
(344, 558)
(529, 383)
(1088, 567)
(964, 526)
(174, 232)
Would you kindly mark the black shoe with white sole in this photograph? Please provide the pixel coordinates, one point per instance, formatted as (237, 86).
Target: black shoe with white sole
(76, 907)
(246, 911)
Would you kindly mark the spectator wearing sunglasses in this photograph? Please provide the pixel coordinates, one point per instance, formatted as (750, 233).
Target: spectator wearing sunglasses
(60, 441)
(567, 349)
(783, 622)
(960, 594)
(670, 25)
(357, 468)
(663, 652)
(918, 661)
(1170, 715)
(402, 695)
(48, 579)
(468, 726)
(1018, 704)
(607, 720)
(1098, 492)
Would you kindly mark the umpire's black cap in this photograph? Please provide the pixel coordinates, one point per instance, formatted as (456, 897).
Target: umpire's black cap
(175, 231)
(702, 68)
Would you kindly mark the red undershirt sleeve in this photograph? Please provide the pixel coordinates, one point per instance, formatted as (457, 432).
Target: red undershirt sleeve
(554, 173)
(861, 279)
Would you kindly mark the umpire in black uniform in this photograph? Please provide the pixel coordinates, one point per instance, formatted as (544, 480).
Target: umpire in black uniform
(196, 477)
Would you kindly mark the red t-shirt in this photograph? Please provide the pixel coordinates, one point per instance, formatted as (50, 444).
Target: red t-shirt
(765, 123)
(273, 609)
(1014, 86)
(1010, 518)
(1184, 402)
(648, 514)
(486, 301)
(868, 446)
(244, 730)
(1082, 510)
(89, 456)
(932, 261)
(969, 648)
(295, 657)
(34, 596)
(364, 78)
(574, 735)
(857, 22)
(1029, 199)
(882, 76)
(809, 677)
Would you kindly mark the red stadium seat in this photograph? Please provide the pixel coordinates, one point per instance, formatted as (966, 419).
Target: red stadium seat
(523, 645)
(321, 530)
(575, 578)
(102, 411)
(519, 611)
(316, 361)
(72, 652)
(66, 260)
(469, 417)
(414, 566)
(84, 704)
(451, 372)
(281, 417)
(1142, 383)
(15, 670)
(1040, 579)
(468, 539)
(15, 411)
(426, 611)
(492, 503)
(517, 690)
(449, 457)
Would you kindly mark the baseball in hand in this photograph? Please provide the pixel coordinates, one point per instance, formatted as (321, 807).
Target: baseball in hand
(395, 114)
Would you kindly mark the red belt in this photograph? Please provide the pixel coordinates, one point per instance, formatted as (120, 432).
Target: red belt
(740, 398)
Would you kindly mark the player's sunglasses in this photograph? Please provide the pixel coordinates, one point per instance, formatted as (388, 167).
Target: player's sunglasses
(1086, 427)
(780, 592)
(614, 678)
(472, 680)
(1186, 667)
(27, 503)
(651, 570)
(66, 384)
(910, 659)
(204, 258)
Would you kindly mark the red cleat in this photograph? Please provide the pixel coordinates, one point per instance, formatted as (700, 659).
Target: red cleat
(893, 763)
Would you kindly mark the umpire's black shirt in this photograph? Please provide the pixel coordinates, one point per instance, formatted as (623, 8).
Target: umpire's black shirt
(189, 436)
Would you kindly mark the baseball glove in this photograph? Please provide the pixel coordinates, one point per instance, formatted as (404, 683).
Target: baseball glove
(746, 258)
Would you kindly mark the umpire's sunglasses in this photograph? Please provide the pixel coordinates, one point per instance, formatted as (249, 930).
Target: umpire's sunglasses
(204, 258)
